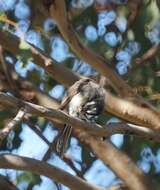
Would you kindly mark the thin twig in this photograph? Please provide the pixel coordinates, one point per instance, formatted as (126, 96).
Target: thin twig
(135, 7)
(12, 124)
(27, 90)
(51, 146)
(149, 54)
(51, 149)
(68, 160)
(36, 130)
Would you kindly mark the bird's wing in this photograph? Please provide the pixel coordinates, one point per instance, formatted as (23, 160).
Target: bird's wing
(72, 91)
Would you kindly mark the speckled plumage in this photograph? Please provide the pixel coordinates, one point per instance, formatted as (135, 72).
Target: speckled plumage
(84, 100)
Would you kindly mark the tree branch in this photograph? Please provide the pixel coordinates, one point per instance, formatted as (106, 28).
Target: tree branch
(12, 124)
(58, 12)
(51, 147)
(41, 168)
(130, 129)
(118, 187)
(25, 87)
(124, 109)
(62, 117)
(11, 43)
(118, 161)
(48, 113)
(55, 69)
(97, 146)
(149, 54)
(5, 184)
(7, 73)
(131, 112)
(111, 129)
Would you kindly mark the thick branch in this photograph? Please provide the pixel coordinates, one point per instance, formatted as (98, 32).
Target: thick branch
(11, 43)
(95, 144)
(129, 111)
(114, 105)
(111, 129)
(52, 114)
(42, 168)
(62, 117)
(55, 69)
(130, 129)
(58, 11)
(118, 161)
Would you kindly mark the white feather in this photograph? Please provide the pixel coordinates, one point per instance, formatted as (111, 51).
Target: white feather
(75, 105)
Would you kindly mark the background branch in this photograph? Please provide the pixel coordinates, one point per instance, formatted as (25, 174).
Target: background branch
(148, 55)
(7, 73)
(118, 161)
(5, 184)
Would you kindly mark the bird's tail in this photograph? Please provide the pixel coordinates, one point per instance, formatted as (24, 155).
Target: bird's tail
(63, 140)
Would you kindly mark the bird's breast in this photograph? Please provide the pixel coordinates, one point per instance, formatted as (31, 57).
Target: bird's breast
(75, 105)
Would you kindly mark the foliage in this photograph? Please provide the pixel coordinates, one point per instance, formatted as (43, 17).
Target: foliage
(102, 27)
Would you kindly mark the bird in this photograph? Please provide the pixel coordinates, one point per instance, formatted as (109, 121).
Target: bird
(84, 100)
